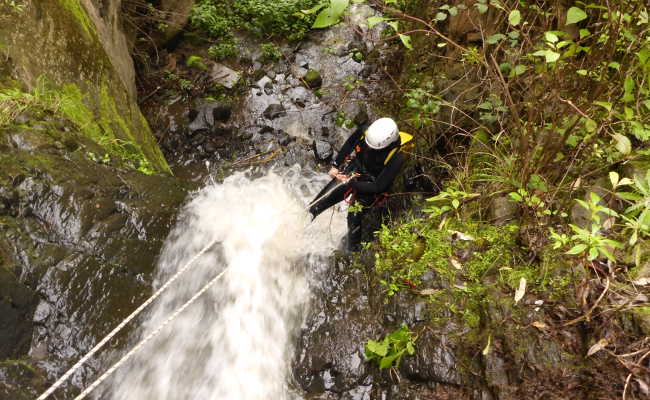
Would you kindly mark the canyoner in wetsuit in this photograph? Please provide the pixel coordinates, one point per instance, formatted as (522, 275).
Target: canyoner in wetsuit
(365, 168)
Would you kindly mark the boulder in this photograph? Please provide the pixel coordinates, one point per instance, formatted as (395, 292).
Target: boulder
(224, 76)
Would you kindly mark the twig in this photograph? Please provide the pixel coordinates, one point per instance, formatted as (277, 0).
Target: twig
(588, 313)
(579, 111)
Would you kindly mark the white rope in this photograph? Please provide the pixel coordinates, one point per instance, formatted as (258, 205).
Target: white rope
(128, 355)
(108, 337)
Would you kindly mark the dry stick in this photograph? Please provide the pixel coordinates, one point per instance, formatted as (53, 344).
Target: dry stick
(588, 313)
(627, 381)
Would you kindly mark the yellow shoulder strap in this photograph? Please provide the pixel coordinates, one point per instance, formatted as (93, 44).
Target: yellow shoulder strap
(404, 139)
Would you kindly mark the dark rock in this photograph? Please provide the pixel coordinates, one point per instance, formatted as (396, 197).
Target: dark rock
(503, 209)
(268, 88)
(271, 74)
(205, 116)
(20, 381)
(313, 79)
(284, 138)
(274, 111)
(322, 150)
(17, 305)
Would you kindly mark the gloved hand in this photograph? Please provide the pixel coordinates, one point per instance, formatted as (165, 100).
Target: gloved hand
(333, 172)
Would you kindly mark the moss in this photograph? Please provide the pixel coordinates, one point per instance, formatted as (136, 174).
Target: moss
(77, 10)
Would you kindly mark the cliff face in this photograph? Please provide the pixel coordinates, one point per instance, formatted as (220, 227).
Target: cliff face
(79, 49)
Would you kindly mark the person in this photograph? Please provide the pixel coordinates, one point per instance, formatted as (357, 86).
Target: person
(365, 168)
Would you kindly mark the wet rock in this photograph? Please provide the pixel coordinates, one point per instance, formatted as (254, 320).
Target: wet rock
(224, 76)
(20, 381)
(322, 150)
(313, 79)
(207, 114)
(274, 111)
(503, 209)
(434, 360)
(17, 305)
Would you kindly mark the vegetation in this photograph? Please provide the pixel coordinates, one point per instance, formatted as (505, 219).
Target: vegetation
(539, 106)
(281, 18)
(389, 351)
(68, 103)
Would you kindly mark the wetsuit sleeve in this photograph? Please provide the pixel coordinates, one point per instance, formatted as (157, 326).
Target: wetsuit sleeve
(348, 146)
(385, 178)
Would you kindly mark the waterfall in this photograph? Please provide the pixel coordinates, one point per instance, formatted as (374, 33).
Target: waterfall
(235, 342)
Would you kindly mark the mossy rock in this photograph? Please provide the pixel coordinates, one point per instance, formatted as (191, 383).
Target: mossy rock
(313, 79)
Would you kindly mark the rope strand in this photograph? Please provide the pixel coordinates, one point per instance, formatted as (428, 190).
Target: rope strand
(118, 328)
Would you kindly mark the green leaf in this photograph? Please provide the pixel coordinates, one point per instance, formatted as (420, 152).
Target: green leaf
(551, 37)
(514, 18)
(387, 361)
(379, 348)
(482, 8)
(614, 178)
(338, 6)
(575, 15)
(514, 35)
(516, 196)
(590, 125)
(440, 16)
(406, 40)
(453, 11)
(614, 65)
(593, 253)
(455, 203)
(372, 21)
(495, 38)
(314, 9)
(606, 105)
(623, 144)
(520, 69)
(577, 249)
(584, 33)
(394, 25)
(644, 56)
(582, 72)
(330, 15)
(628, 87)
(552, 56)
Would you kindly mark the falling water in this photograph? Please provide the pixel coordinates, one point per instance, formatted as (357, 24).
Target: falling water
(235, 342)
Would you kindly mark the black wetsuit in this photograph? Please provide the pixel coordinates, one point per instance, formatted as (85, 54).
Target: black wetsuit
(375, 178)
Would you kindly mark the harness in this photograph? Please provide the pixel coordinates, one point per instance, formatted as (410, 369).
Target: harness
(406, 142)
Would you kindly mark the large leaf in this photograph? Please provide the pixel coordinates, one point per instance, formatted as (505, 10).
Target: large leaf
(406, 39)
(623, 144)
(387, 362)
(331, 15)
(379, 348)
(338, 6)
(515, 17)
(372, 21)
(577, 249)
(575, 15)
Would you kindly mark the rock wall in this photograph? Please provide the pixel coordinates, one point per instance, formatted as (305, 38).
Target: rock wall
(79, 47)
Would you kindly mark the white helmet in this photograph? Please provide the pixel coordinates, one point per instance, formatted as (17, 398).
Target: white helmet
(381, 133)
